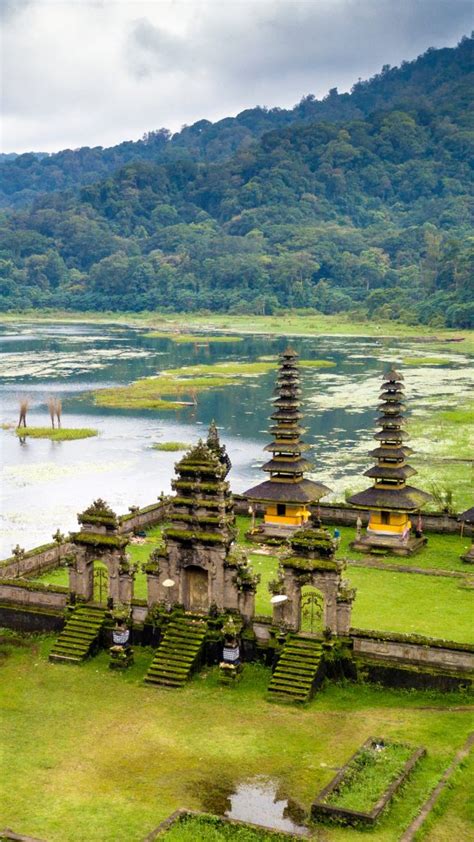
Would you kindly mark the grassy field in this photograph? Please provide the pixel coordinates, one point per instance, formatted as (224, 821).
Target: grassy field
(97, 756)
(453, 814)
(411, 603)
(286, 323)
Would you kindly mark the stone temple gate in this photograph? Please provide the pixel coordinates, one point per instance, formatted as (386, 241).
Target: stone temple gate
(310, 561)
(99, 539)
(199, 567)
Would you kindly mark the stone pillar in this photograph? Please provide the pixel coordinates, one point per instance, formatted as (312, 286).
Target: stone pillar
(81, 576)
(344, 611)
(246, 604)
(152, 589)
(125, 587)
(289, 612)
(330, 608)
(215, 567)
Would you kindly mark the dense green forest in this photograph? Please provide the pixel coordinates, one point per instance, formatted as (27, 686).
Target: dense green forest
(359, 202)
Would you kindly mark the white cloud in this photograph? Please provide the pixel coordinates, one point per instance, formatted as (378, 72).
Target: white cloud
(89, 72)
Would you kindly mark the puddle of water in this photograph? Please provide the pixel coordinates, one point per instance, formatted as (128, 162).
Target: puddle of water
(257, 802)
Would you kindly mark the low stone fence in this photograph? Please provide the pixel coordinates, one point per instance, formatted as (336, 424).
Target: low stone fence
(414, 651)
(20, 592)
(144, 518)
(34, 561)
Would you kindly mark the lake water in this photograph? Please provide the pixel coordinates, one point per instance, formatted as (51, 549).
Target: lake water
(46, 483)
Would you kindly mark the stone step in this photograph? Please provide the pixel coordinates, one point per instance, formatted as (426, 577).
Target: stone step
(79, 635)
(60, 657)
(303, 663)
(164, 682)
(295, 673)
(290, 691)
(176, 654)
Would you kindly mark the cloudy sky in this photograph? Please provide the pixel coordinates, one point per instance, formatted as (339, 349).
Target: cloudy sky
(90, 72)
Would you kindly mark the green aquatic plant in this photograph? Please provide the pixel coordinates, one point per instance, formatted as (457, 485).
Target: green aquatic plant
(186, 382)
(317, 363)
(63, 434)
(171, 446)
(197, 338)
(414, 361)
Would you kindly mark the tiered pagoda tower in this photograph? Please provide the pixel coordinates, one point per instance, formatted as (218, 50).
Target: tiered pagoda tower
(287, 495)
(197, 557)
(391, 501)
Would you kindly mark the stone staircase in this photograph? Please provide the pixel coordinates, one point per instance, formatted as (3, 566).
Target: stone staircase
(79, 636)
(296, 671)
(177, 653)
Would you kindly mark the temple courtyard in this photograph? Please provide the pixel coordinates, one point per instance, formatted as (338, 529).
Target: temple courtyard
(245, 657)
(435, 601)
(94, 755)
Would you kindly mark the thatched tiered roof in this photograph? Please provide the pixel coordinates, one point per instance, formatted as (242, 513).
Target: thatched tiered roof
(390, 490)
(287, 465)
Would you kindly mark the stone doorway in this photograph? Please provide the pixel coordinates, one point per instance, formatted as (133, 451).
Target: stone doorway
(101, 582)
(197, 589)
(312, 610)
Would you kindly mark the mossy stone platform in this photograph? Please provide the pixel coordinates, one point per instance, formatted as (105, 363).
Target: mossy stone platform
(384, 544)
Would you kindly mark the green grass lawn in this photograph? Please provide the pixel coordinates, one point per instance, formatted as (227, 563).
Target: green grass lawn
(442, 552)
(97, 756)
(401, 602)
(453, 815)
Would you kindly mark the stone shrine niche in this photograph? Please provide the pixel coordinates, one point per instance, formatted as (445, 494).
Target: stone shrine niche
(198, 566)
(99, 540)
(310, 561)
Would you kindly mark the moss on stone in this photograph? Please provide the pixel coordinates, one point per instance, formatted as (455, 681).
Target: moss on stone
(31, 585)
(97, 540)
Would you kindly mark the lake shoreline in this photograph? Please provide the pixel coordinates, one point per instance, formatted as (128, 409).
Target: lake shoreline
(287, 323)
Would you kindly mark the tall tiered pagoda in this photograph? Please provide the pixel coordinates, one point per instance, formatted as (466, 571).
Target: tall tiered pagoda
(286, 495)
(390, 501)
(198, 566)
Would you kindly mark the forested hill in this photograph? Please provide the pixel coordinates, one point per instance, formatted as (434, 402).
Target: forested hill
(432, 75)
(365, 209)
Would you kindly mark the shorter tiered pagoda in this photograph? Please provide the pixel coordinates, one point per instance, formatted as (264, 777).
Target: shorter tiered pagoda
(287, 495)
(390, 501)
